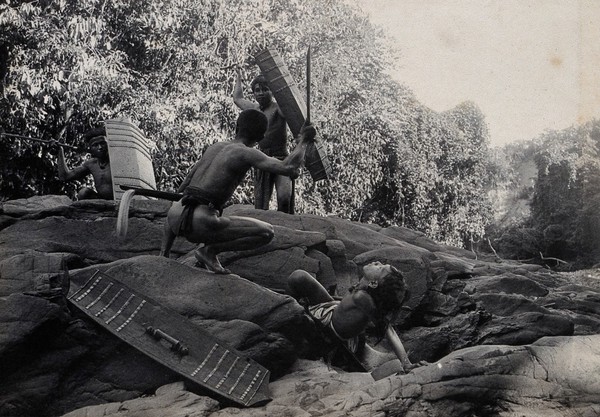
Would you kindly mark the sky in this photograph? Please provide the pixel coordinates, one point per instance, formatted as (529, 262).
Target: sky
(529, 65)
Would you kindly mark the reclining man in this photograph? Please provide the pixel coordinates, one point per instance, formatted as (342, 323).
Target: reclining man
(376, 299)
(213, 180)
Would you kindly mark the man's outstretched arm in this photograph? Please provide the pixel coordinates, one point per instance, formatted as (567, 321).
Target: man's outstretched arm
(398, 347)
(291, 164)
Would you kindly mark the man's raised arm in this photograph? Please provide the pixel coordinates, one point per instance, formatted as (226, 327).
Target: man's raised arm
(238, 94)
(66, 174)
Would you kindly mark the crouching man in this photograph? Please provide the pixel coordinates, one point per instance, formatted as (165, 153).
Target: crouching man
(213, 180)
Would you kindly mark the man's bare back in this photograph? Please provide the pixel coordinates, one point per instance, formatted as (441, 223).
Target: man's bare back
(221, 169)
(213, 180)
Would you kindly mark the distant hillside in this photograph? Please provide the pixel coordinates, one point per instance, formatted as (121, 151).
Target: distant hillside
(512, 204)
(546, 209)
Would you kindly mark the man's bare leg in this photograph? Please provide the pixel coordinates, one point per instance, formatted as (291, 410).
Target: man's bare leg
(219, 234)
(283, 187)
(208, 253)
(230, 234)
(242, 243)
(209, 258)
(167, 240)
(300, 284)
(263, 190)
(87, 194)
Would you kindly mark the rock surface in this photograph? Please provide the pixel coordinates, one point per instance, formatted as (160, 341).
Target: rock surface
(504, 338)
(550, 378)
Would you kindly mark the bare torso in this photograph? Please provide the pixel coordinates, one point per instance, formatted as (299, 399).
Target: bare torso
(275, 140)
(102, 177)
(353, 314)
(220, 170)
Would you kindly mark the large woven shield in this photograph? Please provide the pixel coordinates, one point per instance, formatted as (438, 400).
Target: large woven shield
(130, 159)
(172, 340)
(293, 107)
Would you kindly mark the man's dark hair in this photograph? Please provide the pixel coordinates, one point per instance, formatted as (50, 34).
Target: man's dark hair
(388, 295)
(390, 292)
(92, 133)
(252, 124)
(260, 80)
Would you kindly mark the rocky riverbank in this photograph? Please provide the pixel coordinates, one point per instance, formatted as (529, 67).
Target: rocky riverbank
(502, 338)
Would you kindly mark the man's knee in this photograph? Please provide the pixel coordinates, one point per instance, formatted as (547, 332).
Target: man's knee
(267, 232)
(299, 278)
(284, 192)
(301, 284)
(86, 194)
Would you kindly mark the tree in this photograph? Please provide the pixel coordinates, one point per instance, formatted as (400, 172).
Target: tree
(566, 196)
(437, 176)
(170, 66)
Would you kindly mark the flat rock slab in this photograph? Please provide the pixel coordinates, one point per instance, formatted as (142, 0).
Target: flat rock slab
(169, 400)
(34, 204)
(528, 381)
(198, 294)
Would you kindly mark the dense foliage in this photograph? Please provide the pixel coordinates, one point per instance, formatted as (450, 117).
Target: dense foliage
(563, 228)
(436, 176)
(169, 65)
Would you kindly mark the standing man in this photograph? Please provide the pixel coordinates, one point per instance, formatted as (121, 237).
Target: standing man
(274, 144)
(213, 180)
(98, 166)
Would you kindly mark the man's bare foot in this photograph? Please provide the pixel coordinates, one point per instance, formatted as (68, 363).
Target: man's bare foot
(211, 262)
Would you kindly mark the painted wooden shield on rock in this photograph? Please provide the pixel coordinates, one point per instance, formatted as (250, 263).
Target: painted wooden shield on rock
(170, 339)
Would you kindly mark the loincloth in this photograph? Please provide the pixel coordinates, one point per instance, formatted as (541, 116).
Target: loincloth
(324, 313)
(192, 198)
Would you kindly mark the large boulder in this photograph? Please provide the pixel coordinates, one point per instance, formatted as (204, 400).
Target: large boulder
(35, 204)
(357, 237)
(199, 295)
(35, 271)
(40, 337)
(86, 229)
(56, 360)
